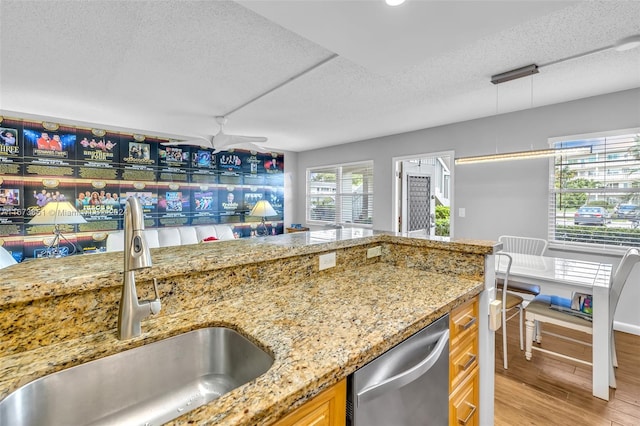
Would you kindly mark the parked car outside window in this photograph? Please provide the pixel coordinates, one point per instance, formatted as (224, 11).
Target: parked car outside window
(587, 215)
(626, 211)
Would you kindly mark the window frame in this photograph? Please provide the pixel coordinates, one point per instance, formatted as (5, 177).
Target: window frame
(607, 190)
(339, 194)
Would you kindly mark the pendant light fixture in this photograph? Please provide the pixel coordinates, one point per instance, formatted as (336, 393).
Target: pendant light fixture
(519, 155)
(522, 155)
(622, 45)
(514, 74)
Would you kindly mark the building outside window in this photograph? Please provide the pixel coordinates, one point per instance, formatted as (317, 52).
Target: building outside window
(341, 194)
(595, 194)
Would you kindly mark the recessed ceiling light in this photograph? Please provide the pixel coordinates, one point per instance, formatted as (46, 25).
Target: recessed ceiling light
(628, 43)
(394, 2)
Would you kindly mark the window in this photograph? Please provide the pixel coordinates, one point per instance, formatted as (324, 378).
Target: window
(341, 194)
(595, 194)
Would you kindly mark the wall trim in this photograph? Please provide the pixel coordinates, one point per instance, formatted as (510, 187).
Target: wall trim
(626, 327)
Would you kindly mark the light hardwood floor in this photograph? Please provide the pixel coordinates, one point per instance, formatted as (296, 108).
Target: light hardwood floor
(551, 391)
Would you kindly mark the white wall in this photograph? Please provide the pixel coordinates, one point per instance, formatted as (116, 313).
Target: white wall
(499, 198)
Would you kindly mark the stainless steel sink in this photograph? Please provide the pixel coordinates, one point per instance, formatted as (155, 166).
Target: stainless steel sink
(147, 385)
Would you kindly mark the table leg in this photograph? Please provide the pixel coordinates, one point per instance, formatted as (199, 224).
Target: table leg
(601, 343)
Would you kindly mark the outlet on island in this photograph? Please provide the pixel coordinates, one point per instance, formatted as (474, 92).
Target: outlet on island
(374, 252)
(327, 260)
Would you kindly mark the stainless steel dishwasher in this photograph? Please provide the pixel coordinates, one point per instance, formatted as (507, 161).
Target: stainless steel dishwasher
(406, 386)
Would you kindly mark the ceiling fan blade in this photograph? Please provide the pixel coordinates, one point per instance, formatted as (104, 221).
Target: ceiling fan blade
(203, 142)
(223, 140)
(247, 139)
(249, 146)
(253, 147)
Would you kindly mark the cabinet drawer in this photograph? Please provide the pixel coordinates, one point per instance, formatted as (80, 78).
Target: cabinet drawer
(326, 409)
(318, 417)
(463, 403)
(462, 360)
(463, 322)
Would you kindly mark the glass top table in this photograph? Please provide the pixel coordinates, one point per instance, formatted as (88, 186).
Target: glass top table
(560, 276)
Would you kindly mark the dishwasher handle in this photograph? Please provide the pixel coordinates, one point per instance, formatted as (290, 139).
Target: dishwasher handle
(407, 376)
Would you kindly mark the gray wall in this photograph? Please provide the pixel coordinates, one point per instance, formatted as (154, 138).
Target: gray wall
(499, 198)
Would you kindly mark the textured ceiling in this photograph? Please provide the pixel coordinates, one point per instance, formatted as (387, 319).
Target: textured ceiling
(169, 67)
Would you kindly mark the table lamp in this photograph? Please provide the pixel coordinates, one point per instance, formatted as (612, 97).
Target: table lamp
(263, 209)
(57, 213)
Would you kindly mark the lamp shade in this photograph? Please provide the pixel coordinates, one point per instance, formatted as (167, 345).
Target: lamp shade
(263, 209)
(57, 213)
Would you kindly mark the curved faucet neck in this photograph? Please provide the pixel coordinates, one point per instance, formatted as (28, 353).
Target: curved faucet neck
(136, 256)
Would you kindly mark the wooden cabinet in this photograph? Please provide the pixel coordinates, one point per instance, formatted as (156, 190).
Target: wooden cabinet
(463, 402)
(464, 396)
(326, 409)
(329, 407)
(291, 230)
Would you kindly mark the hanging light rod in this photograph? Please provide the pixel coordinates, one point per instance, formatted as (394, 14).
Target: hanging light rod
(622, 45)
(627, 43)
(522, 155)
(514, 74)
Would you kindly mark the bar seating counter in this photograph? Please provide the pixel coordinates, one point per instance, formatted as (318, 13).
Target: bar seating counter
(320, 326)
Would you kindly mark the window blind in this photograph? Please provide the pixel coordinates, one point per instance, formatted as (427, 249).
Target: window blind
(341, 194)
(595, 194)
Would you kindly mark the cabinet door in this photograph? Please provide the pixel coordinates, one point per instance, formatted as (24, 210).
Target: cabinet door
(463, 404)
(463, 322)
(326, 409)
(464, 389)
(462, 360)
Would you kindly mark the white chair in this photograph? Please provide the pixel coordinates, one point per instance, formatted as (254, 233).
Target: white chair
(151, 237)
(510, 301)
(523, 245)
(206, 231)
(173, 236)
(224, 232)
(188, 235)
(168, 237)
(539, 311)
(115, 241)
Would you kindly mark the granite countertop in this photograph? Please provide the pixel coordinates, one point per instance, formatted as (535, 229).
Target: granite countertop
(33, 279)
(319, 330)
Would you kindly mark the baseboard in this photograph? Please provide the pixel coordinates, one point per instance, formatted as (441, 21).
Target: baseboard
(626, 327)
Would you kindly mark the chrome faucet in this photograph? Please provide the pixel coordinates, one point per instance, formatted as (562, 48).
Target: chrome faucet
(136, 256)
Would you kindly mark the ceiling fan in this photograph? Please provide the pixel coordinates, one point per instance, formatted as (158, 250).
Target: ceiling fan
(222, 141)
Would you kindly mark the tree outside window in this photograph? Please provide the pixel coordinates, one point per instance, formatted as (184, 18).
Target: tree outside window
(341, 194)
(605, 174)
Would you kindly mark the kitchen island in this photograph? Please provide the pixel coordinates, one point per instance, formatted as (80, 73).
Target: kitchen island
(320, 326)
